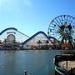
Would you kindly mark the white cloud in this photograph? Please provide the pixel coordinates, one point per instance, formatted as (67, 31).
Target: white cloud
(28, 3)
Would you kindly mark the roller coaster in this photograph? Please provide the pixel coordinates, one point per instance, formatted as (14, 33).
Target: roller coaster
(11, 38)
(61, 35)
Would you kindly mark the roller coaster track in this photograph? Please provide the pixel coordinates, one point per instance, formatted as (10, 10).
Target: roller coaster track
(13, 29)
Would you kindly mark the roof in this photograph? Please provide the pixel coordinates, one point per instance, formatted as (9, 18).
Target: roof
(70, 57)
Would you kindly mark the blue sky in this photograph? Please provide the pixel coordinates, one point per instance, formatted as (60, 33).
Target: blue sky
(31, 16)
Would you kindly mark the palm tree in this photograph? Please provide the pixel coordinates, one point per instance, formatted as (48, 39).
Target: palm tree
(47, 47)
(47, 42)
(5, 42)
(39, 42)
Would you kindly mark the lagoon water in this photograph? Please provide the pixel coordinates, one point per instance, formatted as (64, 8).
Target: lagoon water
(36, 62)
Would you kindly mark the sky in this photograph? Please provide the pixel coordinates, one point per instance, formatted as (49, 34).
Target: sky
(31, 16)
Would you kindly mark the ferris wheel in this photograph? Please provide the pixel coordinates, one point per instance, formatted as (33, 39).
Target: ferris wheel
(62, 26)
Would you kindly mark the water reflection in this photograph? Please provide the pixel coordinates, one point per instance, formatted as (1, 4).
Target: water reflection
(35, 62)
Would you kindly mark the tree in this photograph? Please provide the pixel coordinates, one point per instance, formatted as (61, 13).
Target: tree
(47, 47)
(39, 42)
(47, 42)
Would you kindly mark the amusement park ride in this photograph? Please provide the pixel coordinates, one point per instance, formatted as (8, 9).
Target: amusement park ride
(63, 29)
(61, 35)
